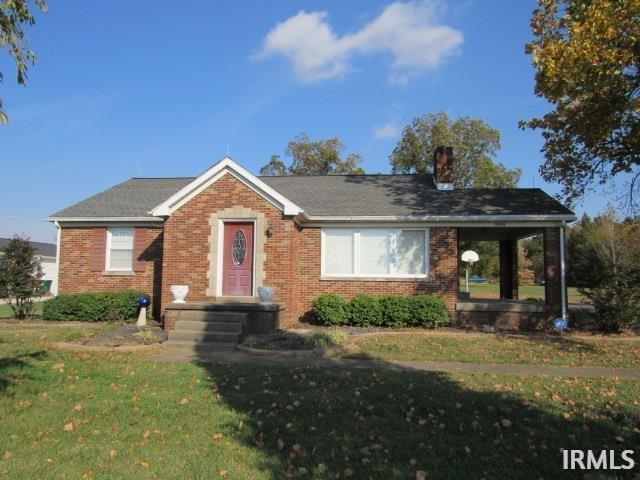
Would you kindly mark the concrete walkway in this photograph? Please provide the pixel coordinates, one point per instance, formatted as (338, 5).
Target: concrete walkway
(310, 359)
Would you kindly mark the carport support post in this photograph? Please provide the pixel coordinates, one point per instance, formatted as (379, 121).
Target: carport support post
(554, 282)
(508, 269)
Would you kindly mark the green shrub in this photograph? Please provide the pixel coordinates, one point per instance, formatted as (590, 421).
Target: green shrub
(397, 311)
(331, 310)
(366, 310)
(393, 311)
(251, 341)
(93, 307)
(327, 339)
(428, 311)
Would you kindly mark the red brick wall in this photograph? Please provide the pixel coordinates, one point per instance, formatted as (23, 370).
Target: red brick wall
(443, 279)
(552, 288)
(186, 242)
(76, 260)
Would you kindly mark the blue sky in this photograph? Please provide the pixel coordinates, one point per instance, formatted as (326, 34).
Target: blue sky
(127, 89)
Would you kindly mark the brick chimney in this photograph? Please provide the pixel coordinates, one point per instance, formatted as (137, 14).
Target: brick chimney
(443, 168)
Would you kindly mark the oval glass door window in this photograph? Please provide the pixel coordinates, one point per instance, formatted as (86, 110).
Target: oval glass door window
(239, 250)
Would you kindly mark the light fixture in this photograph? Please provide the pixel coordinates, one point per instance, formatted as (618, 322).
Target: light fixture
(269, 230)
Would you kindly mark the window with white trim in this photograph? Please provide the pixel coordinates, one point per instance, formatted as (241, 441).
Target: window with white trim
(375, 252)
(120, 249)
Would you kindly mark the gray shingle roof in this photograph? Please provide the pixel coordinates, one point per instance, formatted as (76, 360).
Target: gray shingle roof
(133, 198)
(44, 249)
(406, 195)
(336, 195)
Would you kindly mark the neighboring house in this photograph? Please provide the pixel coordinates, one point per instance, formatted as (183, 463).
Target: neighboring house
(46, 252)
(227, 232)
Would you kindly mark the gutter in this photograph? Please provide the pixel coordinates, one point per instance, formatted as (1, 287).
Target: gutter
(105, 219)
(441, 218)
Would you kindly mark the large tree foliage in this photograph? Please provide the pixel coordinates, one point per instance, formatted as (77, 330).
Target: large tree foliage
(14, 15)
(20, 276)
(586, 53)
(320, 157)
(475, 146)
(604, 262)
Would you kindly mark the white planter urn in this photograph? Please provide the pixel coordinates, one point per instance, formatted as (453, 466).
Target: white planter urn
(266, 295)
(179, 293)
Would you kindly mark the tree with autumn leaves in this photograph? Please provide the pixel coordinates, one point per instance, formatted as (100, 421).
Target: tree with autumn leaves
(587, 55)
(14, 15)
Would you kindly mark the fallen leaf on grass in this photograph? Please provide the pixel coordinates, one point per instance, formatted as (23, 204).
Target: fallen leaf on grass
(68, 427)
(8, 455)
(144, 464)
(113, 454)
(217, 436)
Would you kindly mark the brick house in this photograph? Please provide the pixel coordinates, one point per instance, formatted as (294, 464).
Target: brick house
(228, 232)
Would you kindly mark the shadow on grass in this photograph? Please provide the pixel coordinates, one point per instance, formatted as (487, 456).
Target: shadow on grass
(11, 367)
(387, 422)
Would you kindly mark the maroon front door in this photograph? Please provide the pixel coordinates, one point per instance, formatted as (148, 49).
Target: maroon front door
(237, 264)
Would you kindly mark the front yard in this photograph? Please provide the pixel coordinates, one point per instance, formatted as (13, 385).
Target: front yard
(595, 351)
(112, 416)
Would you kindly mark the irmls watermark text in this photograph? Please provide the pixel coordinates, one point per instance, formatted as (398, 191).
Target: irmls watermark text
(597, 460)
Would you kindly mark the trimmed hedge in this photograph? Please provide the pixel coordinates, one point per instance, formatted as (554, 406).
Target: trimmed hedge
(366, 311)
(331, 310)
(426, 311)
(93, 307)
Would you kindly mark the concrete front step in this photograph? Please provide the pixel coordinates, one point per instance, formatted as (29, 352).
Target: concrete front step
(198, 337)
(202, 326)
(213, 316)
(201, 348)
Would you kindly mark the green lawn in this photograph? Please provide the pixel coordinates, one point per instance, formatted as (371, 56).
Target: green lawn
(6, 312)
(117, 416)
(492, 290)
(485, 348)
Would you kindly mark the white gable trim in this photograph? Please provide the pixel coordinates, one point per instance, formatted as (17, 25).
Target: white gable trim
(212, 175)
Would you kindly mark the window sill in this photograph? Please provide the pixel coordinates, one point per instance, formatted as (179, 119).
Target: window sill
(413, 278)
(118, 273)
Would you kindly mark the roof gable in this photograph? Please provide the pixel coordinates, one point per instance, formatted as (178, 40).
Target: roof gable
(212, 175)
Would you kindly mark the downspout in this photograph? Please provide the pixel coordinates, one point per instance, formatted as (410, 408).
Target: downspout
(57, 225)
(563, 281)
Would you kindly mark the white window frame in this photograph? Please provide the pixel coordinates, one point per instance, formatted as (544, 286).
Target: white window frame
(392, 258)
(107, 265)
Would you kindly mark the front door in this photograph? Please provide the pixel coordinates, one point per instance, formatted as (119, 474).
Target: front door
(237, 264)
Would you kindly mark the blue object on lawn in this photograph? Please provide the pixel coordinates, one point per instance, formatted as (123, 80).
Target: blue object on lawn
(144, 301)
(477, 279)
(560, 323)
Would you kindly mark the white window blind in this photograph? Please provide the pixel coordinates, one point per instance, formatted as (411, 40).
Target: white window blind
(120, 249)
(338, 251)
(375, 252)
(410, 245)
